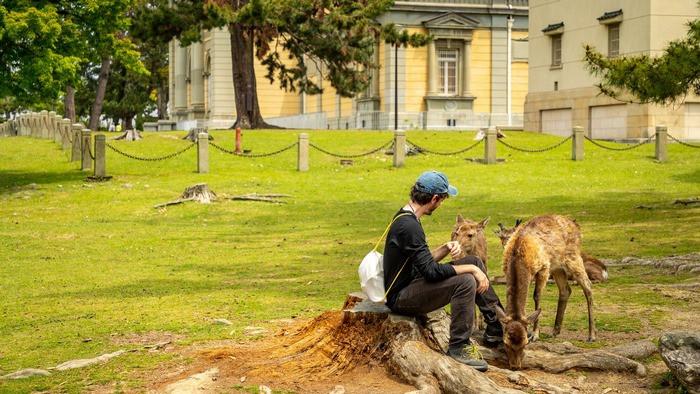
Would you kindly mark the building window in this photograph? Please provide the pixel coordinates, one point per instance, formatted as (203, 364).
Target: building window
(447, 69)
(613, 40)
(556, 50)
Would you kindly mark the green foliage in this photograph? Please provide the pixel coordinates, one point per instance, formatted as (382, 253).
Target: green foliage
(662, 80)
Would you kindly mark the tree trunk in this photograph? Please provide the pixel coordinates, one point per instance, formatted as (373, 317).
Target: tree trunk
(129, 122)
(162, 101)
(100, 96)
(69, 103)
(247, 108)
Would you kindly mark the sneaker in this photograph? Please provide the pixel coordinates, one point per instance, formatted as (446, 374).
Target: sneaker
(493, 335)
(469, 355)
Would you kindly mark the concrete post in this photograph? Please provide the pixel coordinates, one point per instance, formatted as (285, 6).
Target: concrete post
(203, 153)
(86, 159)
(303, 152)
(100, 167)
(51, 125)
(58, 129)
(33, 124)
(577, 144)
(490, 146)
(44, 124)
(65, 131)
(399, 148)
(76, 150)
(661, 140)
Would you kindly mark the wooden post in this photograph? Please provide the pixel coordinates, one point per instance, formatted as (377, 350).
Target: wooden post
(76, 150)
(399, 148)
(577, 144)
(203, 153)
(86, 162)
(490, 147)
(100, 159)
(303, 152)
(238, 140)
(661, 140)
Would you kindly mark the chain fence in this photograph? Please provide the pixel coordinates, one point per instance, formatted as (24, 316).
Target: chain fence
(233, 152)
(340, 156)
(422, 149)
(141, 158)
(538, 150)
(682, 142)
(598, 144)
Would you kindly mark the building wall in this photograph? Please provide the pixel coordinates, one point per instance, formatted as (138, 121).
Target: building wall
(519, 78)
(647, 27)
(481, 70)
(416, 83)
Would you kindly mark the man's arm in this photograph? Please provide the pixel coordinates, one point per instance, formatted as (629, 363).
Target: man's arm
(452, 247)
(482, 280)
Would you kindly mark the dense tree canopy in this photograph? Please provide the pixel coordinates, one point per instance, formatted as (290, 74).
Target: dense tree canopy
(664, 79)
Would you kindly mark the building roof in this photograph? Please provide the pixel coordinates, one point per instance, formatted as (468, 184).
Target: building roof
(610, 15)
(553, 26)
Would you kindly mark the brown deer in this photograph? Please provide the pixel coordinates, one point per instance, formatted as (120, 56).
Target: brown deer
(470, 236)
(595, 269)
(544, 245)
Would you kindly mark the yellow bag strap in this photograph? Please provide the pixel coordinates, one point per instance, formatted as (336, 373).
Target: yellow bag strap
(387, 230)
(396, 277)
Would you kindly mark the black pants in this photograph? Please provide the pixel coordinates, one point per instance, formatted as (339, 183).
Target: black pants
(421, 297)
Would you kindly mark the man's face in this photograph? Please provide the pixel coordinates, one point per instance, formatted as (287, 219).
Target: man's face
(434, 204)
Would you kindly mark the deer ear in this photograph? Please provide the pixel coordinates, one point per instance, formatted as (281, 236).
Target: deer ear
(533, 317)
(460, 219)
(482, 224)
(517, 222)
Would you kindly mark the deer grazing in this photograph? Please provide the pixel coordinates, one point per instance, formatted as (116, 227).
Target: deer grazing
(544, 245)
(595, 269)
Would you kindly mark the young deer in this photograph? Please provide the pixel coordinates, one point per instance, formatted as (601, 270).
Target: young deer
(595, 269)
(544, 245)
(470, 236)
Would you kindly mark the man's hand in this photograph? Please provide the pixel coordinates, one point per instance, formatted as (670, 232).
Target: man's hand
(482, 280)
(454, 248)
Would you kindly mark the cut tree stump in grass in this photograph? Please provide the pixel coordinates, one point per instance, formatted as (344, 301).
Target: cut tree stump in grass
(199, 193)
(129, 135)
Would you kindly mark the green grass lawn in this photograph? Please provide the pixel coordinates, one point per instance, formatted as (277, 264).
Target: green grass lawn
(97, 261)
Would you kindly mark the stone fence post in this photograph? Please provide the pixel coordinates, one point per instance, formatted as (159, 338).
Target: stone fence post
(77, 149)
(44, 124)
(203, 153)
(58, 129)
(490, 138)
(303, 152)
(577, 143)
(100, 158)
(65, 134)
(86, 162)
(399, 148)
(661, 141)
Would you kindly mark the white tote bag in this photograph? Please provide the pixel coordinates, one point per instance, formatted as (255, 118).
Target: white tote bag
(371, 271)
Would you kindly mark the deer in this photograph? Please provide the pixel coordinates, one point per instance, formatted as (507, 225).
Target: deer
(595, 269)
(546, 244)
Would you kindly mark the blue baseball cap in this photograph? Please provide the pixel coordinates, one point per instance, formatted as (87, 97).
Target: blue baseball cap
(435, 182)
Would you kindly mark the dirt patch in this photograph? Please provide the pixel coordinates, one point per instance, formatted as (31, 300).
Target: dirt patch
(148, 340)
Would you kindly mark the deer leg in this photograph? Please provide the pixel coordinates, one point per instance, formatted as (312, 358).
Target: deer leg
(540, 282)
(582, 278)
(560, 278)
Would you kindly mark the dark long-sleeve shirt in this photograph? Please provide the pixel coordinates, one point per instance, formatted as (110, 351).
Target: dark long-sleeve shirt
(405, 242)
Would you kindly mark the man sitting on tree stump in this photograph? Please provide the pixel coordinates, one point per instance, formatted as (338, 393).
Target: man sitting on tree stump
(417, 284)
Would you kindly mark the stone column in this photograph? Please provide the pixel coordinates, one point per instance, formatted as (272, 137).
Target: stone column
(303, 153)
(180, 66)
(77, 148)
(399, 148)
(490, 146)
(466, 61)
(197, 80)
(44, 124)
(58, 130)
(203, 153)
(432, 83)
(86, 162)
(661, 140)
(577, 144)
(51, 125)
(100, 165)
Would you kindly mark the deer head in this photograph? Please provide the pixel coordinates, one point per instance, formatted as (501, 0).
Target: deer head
(504, 233)
(515, 336)
(466, 232)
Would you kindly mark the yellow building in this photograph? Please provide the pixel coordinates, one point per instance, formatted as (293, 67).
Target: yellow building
(473, 74)
(562, 92)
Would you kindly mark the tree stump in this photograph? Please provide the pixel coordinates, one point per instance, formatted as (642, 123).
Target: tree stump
(199, 193)
(129, 135)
